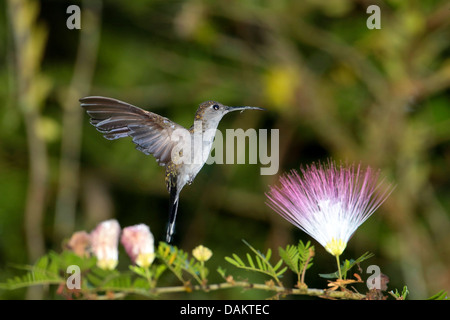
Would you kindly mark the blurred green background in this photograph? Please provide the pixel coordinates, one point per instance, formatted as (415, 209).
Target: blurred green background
(333, 87)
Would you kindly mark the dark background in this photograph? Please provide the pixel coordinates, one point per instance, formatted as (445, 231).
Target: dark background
(333, 87)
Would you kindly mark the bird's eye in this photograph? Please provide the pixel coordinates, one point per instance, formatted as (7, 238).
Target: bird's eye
(216, 107)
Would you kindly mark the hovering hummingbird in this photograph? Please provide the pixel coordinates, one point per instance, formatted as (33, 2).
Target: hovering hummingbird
(154, 134)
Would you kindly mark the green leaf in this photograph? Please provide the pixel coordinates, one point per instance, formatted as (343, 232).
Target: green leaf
(398, 295)
(333, 275)
(268, 254)
(177, 261)
(298, 258)
(158, 270)
(118, 282)
(236, 257)
(349, 264)
(141, 283)
(278, 265)
(222, 272)
(250, 261)
(98, 277)
(306, 254)
(279, 273)
(441, 295)
(233, 262)
(41, 264)
(262, 265)
(45, 271)
(346, 266)
(290, 257)
(139, 271)
(68, 258)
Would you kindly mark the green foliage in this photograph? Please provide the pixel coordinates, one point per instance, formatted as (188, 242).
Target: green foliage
(400, 296)
(441, 295)
(263, 264)
(49, 269)
(346, 266)
(97, 283)
(222, 272)
(45, 271)
(298, 258)
(327, 80)
(68, 258)
(178, 261)
(111, 280)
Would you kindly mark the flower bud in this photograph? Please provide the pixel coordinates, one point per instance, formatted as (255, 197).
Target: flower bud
(79, 243)
(201, 253)
(138, 243)
(104, 242)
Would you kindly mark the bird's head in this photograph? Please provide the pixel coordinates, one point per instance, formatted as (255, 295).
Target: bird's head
(213, 111)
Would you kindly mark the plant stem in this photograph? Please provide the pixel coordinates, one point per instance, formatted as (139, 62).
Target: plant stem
(311, 253)
(339, 267)
(202, 270)
(148, 275)
(278, 289)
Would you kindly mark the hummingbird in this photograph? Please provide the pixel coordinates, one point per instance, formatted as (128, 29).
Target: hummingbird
(159, 136)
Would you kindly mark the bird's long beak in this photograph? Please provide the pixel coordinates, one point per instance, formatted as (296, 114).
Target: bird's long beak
(242, 108)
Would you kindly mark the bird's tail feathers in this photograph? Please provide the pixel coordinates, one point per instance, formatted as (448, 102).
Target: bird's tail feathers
(173, 208)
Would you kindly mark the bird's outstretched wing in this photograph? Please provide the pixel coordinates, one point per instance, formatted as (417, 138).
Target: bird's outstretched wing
(116, 119)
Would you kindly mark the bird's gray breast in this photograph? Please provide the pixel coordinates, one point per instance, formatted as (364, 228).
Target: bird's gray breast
(200, 148)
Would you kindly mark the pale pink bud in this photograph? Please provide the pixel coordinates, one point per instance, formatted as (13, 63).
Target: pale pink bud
(138, 243)
(104, 242)
(79, 243)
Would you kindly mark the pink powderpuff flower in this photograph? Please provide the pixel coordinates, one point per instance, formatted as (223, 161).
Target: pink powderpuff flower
(104, 244)
(327, 202)
(139, 244)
